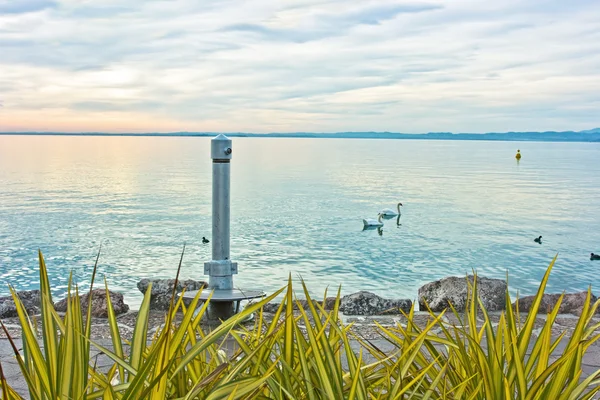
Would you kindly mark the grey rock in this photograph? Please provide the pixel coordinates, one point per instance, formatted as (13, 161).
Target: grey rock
(330, 303)
(273, 307)
(453, 289)
(99, 303)
(162, 290)
(572, 303)
(29, 298)
(367, 303)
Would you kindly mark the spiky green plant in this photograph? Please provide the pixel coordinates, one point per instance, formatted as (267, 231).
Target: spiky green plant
(480, 361)
(182, 361)
(59, 367)
(303, 352)
(306, 354)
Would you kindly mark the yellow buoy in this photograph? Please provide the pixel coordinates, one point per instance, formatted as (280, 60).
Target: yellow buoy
(518, 156)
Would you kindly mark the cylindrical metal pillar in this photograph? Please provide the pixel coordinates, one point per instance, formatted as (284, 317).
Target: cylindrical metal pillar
(220, 226)
(220, 274)
(221, 294)
(221, 210)
(220, 269)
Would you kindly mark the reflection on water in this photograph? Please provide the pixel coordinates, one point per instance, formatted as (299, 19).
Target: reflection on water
(297, 207)
(379, 229)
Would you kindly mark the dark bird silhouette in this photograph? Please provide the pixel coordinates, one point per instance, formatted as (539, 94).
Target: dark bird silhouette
(538, 240)
(205, 240)
(594, 256)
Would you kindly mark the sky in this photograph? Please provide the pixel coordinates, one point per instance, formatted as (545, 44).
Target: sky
(299, 65)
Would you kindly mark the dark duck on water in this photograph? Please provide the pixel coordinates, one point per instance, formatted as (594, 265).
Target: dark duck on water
(594, 256)
(205, 240)
(538, 240)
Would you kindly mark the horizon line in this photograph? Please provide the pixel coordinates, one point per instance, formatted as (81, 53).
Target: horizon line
(207, 133)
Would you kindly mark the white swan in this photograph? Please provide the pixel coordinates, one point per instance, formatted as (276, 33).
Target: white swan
(373, 222)
(388, 212)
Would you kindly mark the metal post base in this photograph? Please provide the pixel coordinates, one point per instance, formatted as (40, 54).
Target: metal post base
(221, 310)
(223, 303)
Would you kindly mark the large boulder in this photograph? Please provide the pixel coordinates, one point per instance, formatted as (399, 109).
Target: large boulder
(453, 289)
(29, 298)
(328, 306)
(162, 290)
(367, 303)
(572, 303)
(99, 303)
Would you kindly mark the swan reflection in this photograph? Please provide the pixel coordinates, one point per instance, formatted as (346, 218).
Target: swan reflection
(372, 228)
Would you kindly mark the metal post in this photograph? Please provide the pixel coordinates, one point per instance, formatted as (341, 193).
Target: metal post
(221, 203)
(220, 269)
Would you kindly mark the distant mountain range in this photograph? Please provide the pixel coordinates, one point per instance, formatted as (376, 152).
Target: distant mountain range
(590, 135)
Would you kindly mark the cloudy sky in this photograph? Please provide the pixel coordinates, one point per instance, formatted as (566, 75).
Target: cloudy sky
(299, 65)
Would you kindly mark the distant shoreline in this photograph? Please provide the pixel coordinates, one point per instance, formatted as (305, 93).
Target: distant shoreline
(591, 136)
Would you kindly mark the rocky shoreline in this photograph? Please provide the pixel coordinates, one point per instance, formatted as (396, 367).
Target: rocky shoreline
(353, 313)
(360, 307)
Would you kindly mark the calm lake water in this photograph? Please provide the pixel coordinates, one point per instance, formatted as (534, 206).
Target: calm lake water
(297, 206)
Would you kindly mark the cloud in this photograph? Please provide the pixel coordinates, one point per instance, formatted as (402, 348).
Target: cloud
(25, 6)
(288, 35)
(378, 14)
(100, 12)
(306, 65)
(323, 25)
